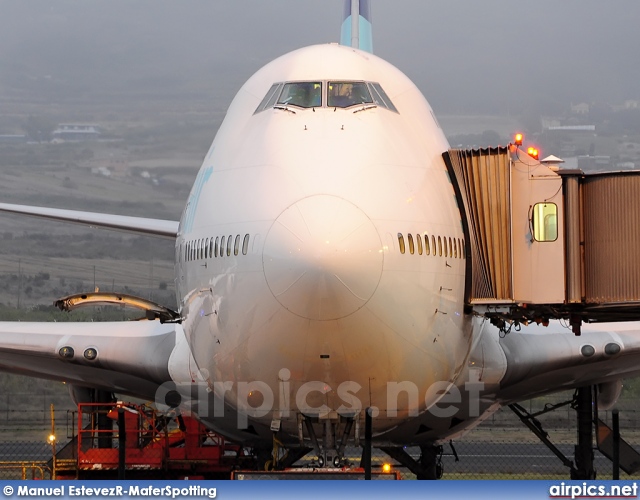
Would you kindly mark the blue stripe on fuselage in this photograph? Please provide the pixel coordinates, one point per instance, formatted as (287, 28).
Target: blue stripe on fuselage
(203, 176)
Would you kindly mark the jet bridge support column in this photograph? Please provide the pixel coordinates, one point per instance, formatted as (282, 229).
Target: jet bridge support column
(584, 449)
(427, 467)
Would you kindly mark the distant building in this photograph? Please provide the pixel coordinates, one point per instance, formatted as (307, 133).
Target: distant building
(573, 128)
(76, 132)
(548, 122)
(580, 109)
(594, 163)
(626, 165)
(12, 139)
(631, 104)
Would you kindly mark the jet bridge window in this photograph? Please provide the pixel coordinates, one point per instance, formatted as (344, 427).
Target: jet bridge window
(302, 94)
(544, 220)
(345, 94)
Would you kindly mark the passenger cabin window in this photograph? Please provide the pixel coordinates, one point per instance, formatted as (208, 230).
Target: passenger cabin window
(245, 244)
(419, 242)
(229, 244)
(411, 245)
(236, 245)
(302, 94)
(545, 221)
(401, 242)
(345, 94)
(427, 250)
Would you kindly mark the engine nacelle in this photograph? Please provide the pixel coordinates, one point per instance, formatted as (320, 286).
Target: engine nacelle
(608, 394)
(80, 395)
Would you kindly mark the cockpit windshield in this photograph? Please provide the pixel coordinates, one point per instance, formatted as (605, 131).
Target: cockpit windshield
(336, 94)
(302, 94)
(345, 94)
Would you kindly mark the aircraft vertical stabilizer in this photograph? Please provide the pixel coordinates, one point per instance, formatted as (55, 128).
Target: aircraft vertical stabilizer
(357, 33)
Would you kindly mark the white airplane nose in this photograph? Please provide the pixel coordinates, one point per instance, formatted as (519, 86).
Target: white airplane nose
(323, 258)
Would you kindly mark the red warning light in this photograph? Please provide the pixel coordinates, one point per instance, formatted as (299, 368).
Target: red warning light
(518, 139)
(532, 152)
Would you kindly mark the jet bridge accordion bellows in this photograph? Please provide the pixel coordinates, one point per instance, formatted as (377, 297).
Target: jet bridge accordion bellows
(481, 177)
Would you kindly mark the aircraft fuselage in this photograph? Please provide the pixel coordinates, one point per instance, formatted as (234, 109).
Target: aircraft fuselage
(320, 256)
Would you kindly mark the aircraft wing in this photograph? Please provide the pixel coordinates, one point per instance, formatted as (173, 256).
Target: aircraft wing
(131, 356)
(541, 360)
(139, 225)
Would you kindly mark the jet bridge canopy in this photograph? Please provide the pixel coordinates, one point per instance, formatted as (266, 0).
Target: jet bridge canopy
(545, 242)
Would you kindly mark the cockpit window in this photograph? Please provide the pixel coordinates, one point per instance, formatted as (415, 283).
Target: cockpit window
(302, 94)
(272, 95)
(345, 94)
(338, 94)
(380, 97)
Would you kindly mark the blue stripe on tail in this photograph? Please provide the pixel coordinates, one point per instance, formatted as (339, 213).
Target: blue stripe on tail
(365, 34)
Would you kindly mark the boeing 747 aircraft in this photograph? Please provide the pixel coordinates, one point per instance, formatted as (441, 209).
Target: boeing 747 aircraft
(298, 303)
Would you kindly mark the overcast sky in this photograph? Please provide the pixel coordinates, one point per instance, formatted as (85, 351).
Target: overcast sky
(467, 56)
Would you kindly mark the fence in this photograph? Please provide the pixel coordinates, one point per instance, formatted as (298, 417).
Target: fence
(500, 448)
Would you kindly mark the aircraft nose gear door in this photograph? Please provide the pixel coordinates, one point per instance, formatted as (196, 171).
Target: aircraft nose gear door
(335, 430)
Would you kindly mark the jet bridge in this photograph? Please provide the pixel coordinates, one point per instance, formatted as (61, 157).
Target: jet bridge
(546, 243)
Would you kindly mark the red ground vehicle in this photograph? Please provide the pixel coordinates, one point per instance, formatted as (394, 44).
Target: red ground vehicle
(116, 439)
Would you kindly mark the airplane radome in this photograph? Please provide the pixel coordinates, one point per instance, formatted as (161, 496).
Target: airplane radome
(289, 241)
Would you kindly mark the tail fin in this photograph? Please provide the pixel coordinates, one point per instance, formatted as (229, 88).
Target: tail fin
(356, 25)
